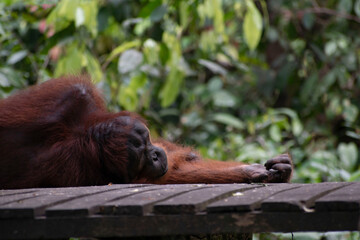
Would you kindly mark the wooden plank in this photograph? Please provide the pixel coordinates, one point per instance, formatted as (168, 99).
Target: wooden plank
(343, 199)
(299, 199)
(4, 193)
(18, 197)
(35, 205)
(85, 205)
(142, 203)
(172, 225)
(248, 200)
(197, 200)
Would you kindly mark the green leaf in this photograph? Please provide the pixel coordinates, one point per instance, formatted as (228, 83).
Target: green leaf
(350, 111)
(330, 48)
(80, 12)
(252, 25)
(4, 81)
(229, 120)
(208, 41)
(297, 127)
(151, 51)
(357, 8)
(149, 8)
(355, 177)
(223, 98)
(348, 154)
(184, 14)
(70, 63)
(219, 25)
(93, 67)
(62, 15)
(164, 53)
(215, 84)
(142, 26)
(90, 11)
(308, 20)
(296, 124)
(172, 87)
(327, 81)
(123, 47)
(307, 90)
(17, 57)
(158, 13)
(275, 133)
(128, 97)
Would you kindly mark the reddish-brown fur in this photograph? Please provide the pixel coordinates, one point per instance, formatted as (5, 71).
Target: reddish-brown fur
(49, 137)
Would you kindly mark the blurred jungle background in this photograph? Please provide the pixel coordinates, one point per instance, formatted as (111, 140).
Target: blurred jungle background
(237, 79)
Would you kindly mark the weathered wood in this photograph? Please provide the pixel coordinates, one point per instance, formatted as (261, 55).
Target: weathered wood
(173, 210)
(194, 201)
(249, 199)
(87, 204)
(33, 203)
(343, 199)
(182, 224)
(142, 203)
(299, 199)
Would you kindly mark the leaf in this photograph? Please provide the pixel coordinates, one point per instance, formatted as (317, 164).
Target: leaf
(81, 12)
(149, 8)
(330, 48)
(93, 67)
(308, 87)
(252, 25)
(353, 135)
(129, 61)
(80, 18)
(214, 67)
(70, 63)
(350, 111)
(151, 51)
(17, 57)
(184, 14)
(172, 87)
(191, 119)
(128, 96)
(214, 85)
(357, 8)
(142, 26)
(348, 154)
(219, 19)
(125, 46)
(327, 81)
(296, 124)
(345, 6)
(4, 81)
(164, 53)
(355, 176)
(223, 98)
(297, 127)
(275, 133)
(62, 15)
(158, 13)
(308, 20)
(229, 120)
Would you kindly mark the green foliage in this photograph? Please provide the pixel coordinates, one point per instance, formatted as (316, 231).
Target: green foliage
(252, 25)
(238, 79)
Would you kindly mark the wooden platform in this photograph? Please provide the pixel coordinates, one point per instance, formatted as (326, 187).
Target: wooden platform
(168, 210)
